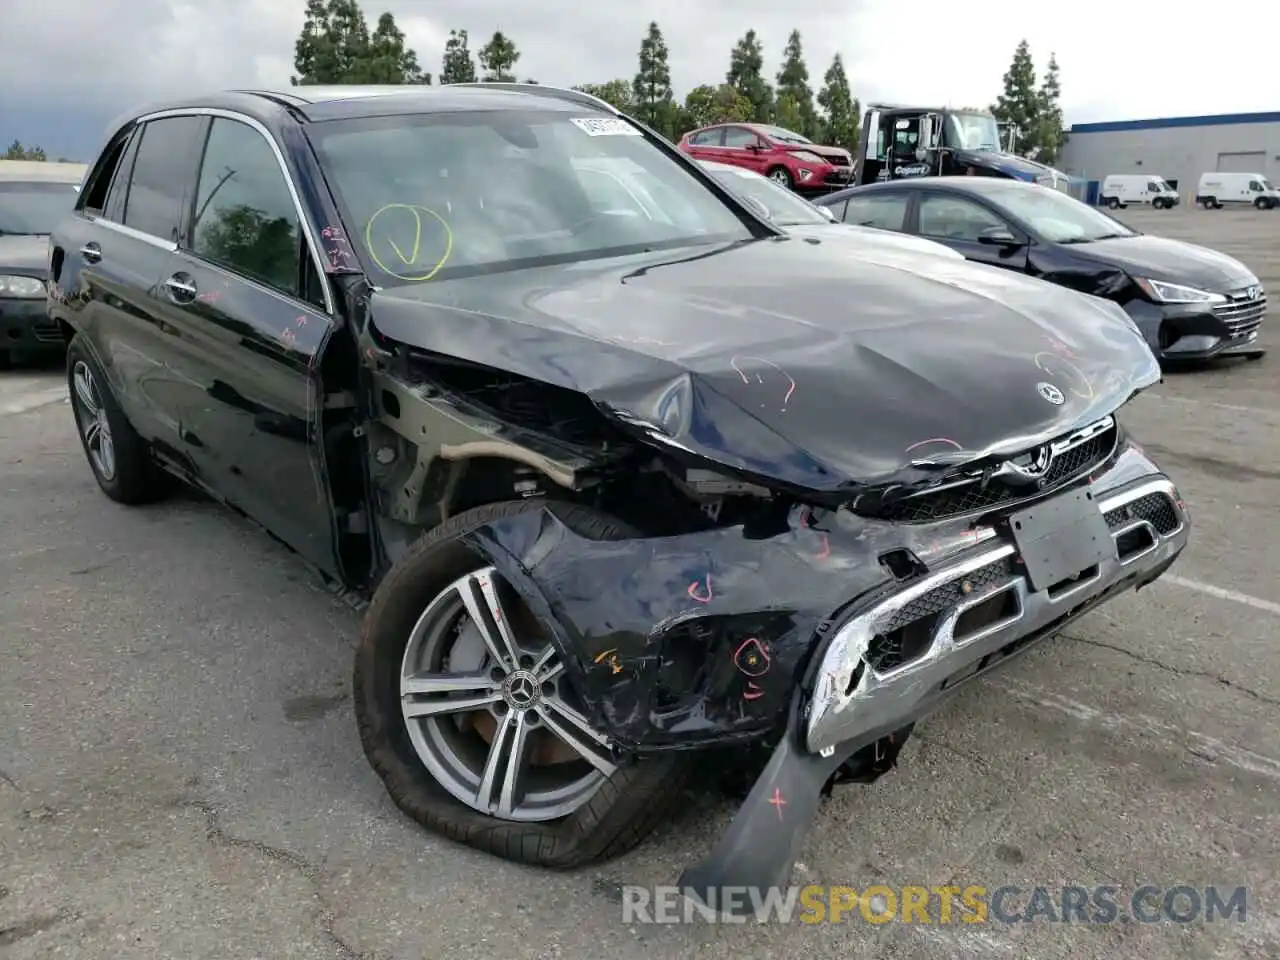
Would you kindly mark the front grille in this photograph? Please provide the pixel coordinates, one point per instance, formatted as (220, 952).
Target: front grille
(1156, 508)
(838, 161)
(971, 494)
(1241, 315)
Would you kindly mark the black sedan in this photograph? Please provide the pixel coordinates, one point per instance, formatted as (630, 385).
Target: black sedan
(624, 474)
(1190, 302)
(34, 196)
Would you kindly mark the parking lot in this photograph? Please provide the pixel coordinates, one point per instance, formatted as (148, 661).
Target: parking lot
(180, 774)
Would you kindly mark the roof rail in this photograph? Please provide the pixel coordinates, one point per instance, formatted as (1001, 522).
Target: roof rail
(284, 99)
(557, 93)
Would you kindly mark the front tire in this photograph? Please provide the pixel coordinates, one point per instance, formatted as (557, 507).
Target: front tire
(1158, 203)
(782, 177)
(1113, 203)
(466, 713)
(118, 457)
(1262, 203)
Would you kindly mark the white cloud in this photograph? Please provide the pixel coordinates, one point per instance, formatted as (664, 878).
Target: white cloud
(73, 53)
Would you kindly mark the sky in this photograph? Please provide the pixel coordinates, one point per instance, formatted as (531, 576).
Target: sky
(69, 67)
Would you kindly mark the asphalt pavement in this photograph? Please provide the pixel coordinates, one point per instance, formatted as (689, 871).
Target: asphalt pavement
(180, 775)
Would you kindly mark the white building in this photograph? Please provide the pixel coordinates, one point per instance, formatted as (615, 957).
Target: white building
(1176, 148)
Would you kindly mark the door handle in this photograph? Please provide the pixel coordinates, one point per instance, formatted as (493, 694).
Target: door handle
(181, 288)
(91, 252)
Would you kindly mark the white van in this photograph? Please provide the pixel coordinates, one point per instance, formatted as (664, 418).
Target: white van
(1215, 189)
(1122, 189)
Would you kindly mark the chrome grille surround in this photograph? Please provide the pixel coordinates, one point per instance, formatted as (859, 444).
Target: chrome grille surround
(972, 491)
(851, 697)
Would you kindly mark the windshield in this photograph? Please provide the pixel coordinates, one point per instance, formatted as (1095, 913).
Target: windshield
(972, 131)
(1266, 185)
(1059, 218)
(786, 136)
(34, 207)
(779, 204)
(443, 195)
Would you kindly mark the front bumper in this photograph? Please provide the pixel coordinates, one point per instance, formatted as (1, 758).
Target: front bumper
(856, 700)
(25, 328)
(853, 706)
(1200, 331)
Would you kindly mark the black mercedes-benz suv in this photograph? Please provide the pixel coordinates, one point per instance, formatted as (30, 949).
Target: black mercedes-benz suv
(624, 471)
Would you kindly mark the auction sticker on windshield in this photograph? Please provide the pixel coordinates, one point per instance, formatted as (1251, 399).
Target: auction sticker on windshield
(605, 127)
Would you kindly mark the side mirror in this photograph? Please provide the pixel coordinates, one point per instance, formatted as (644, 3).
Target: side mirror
(998, 237)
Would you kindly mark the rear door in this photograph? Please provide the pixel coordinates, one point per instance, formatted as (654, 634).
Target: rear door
(705, 145)
(115, 253)
(884, 210)
(245, 318)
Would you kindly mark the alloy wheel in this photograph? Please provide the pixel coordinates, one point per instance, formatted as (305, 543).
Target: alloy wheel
(91, 420)
(486, 709)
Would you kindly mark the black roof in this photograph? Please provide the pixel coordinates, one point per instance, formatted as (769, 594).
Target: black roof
(314, 103)
(978, 186)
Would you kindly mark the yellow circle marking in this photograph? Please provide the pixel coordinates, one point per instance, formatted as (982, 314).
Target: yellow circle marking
(412, 257)
(1074, 370)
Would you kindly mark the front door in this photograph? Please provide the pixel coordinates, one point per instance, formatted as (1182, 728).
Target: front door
(245, 323)
(960, 223)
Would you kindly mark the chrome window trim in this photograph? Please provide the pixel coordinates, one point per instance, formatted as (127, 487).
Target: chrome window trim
(133, 233)
(308, 229)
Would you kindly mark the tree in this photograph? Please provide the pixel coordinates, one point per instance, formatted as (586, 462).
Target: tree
(458, 67)
(498, 59)
(705, 105)
(746, 65)
(335, 47)
(389, 61)
(793, 84)
(1050, 136)
(617, 93)
(1019, 105)
(17, 151)
(842, 113)
(651, 89)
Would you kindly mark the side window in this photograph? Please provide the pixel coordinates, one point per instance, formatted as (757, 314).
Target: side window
(708, 138)
(93, 199)
(114, 210)
(887, 212)
(161, 174)
(1255, 186)
(740, 137)
(1153, 186)
(955, 219)
(245, 218)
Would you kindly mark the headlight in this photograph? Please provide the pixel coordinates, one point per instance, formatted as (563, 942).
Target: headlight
(21, 288)
(804, 156)
(1162, 292)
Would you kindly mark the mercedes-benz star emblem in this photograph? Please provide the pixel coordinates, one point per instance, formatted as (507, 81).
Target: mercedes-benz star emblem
(522, 690)
(1051, 393)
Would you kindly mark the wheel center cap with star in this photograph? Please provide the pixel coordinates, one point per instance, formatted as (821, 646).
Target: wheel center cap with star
(521, 690)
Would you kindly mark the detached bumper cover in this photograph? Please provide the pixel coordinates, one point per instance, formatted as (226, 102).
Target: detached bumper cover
(853, 705)
(853, 700)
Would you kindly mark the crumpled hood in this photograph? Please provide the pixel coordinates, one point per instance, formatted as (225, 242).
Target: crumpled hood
(792, 359)
(1175, 261)
(26, 255)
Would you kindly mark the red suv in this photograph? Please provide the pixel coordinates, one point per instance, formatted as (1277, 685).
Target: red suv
(788, 158)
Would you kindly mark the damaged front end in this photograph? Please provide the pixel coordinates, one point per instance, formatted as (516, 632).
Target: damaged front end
(821, 544)
(748, 611)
